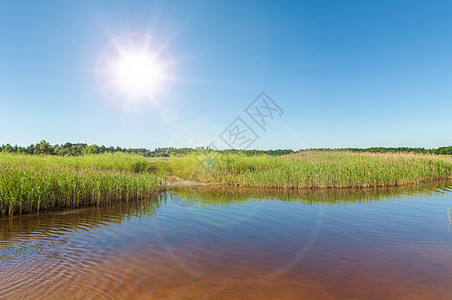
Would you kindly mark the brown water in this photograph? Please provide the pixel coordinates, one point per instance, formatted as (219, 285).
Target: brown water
(228, 244)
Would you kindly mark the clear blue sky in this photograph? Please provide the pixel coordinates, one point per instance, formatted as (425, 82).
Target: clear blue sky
(346, 73)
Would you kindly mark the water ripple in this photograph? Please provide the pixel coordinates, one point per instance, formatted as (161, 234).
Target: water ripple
(258, 242)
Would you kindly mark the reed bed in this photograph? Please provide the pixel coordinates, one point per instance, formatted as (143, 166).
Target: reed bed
(312, 169)
(35, 183)
(114, 162)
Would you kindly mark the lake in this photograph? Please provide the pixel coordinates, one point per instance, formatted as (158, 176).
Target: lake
(218, 243)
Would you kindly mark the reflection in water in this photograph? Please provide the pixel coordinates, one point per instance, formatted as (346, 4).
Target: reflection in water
(186, 196)
(231, 243)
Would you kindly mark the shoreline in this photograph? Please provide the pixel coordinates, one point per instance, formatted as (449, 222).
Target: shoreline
(200, 186)
(190, 183)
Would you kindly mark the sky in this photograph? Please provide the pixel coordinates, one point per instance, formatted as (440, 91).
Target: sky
(340, 73)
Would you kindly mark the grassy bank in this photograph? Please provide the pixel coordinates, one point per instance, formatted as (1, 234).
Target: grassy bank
(310, 169)
(35, 183)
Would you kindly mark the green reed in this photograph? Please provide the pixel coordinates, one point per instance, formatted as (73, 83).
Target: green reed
(35, 183)
(312, 169)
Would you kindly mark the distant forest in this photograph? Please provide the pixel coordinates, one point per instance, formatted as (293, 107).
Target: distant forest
(70, 149)
(440, 151)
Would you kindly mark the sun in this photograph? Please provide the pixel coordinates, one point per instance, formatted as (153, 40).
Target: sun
(138, 74)
(135, 71)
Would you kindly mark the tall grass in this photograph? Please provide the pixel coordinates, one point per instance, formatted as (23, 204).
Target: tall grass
(312, 169)
(117, 161)
(35, 183)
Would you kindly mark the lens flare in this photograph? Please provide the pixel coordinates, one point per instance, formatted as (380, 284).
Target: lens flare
(135, 71)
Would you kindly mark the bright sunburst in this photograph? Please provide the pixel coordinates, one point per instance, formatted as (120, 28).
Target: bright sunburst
(135, 71)
(138, 74)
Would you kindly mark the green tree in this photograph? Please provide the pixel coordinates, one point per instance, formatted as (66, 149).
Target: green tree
(93, 149)
(43, 147)
(7, 148)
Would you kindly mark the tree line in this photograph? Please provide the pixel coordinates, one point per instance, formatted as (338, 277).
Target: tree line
(71, 149)
(440, 151)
